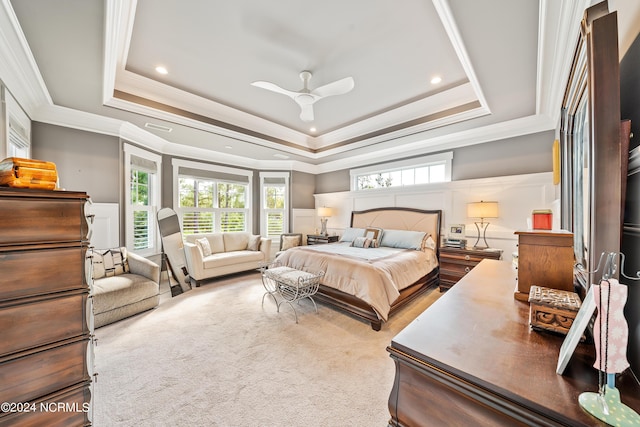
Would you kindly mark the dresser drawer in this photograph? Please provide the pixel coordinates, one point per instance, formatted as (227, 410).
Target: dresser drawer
(76, 403)
(34, 322)
(41, 220)
(38, 374)
(455, 263)
(458, 270)
(36, 272)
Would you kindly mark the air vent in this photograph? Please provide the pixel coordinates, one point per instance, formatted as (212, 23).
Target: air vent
(158, 127)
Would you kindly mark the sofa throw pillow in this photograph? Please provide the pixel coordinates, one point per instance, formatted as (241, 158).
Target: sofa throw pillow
(205, 247)
(254, 242)
(289, 242)
(108, 262)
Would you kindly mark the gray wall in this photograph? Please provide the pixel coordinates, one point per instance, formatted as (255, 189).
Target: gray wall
(302, 189)
(512, 156)
(630, 109)
(85, 161)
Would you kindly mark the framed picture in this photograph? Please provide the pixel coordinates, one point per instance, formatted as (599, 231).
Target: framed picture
(456, 231)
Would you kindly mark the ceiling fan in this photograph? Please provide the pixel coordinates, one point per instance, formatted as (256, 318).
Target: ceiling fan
(305, 98)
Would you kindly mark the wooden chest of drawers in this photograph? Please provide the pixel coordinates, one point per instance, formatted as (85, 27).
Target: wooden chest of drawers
(455, 263)
(45, 308)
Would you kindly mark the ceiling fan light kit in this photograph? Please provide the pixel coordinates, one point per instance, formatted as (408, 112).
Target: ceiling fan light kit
(305, 97)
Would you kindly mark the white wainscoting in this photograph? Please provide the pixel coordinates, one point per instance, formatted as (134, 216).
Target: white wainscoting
(517, 195)
(106, 225)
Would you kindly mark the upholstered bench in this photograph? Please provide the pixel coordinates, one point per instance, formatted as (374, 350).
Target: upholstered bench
(124, 284)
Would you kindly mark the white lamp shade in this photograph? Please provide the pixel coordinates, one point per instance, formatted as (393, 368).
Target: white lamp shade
(325, 212)
(482, 209)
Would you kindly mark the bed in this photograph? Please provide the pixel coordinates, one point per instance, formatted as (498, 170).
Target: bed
(374, 283)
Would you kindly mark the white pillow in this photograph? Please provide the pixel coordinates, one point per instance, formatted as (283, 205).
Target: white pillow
(428, 243)
(205, 247)
(289, 242)
(254, 242)
(403, 239)
(351, 233)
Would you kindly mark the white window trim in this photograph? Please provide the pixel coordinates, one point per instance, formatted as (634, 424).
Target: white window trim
(178, 163)
(402, 164)
(16, 125)
(263, 216)
(130, 150)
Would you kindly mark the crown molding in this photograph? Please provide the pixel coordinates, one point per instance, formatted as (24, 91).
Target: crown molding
(558, 29)
(18, 68)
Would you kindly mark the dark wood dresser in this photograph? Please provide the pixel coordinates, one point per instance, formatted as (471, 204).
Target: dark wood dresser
(455, 263)
(471, 359)
(45, 319)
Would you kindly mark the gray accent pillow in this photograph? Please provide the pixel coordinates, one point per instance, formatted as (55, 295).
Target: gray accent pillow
(403, 239)
(351, 233)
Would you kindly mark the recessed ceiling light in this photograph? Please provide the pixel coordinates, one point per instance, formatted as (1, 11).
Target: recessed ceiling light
(436, 80)
(281, 156)
(312, 129)
(162, 70)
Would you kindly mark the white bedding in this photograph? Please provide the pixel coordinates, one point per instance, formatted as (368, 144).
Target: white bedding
(375, 275)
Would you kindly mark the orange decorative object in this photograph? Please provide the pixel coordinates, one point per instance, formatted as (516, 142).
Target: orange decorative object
(28, 173)
(542, 219)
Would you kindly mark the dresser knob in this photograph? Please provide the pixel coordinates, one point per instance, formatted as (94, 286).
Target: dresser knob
(467, 269)
(467, 257)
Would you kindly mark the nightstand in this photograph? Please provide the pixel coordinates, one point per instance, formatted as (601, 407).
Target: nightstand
(455, 263)
(318, 239)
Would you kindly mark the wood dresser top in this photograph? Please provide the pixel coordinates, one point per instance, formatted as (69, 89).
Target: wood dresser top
(480, 333)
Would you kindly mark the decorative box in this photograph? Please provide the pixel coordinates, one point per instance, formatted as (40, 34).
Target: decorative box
(542, 219)
(552, 309)
(28, 173)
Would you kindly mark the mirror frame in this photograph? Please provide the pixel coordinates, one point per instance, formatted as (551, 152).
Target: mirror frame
(591, 196)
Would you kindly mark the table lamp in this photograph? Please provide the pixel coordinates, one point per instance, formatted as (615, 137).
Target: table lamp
(324, 213)
(482, 210)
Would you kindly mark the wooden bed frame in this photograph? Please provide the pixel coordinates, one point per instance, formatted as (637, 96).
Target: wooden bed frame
(397, 219)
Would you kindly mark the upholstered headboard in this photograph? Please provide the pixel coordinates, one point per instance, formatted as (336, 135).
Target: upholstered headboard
(400, 219)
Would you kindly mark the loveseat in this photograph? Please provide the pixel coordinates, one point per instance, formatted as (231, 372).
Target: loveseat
(216, 254)
(124, 284)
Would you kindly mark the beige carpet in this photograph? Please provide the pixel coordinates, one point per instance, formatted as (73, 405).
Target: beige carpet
(215, 357)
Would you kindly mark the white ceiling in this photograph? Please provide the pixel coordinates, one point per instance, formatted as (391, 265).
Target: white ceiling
(502, 63)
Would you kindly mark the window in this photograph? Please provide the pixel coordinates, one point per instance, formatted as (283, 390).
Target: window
(275, 203)
(142, 194)
(212, 198)
(19, 127)
(422, 170)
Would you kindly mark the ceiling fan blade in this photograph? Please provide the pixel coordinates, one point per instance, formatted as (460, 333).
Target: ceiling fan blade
(274, 88)
(338, 87)
(306, 114)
